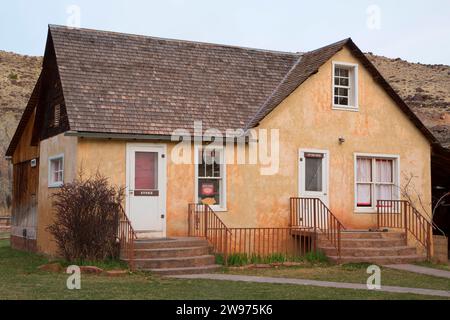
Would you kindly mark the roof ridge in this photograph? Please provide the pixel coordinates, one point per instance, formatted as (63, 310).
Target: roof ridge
(343, 41)
(54, 26)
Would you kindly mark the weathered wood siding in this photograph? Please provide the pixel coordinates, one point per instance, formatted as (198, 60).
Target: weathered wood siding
(25, 185)
(24, 150)
(24, 206)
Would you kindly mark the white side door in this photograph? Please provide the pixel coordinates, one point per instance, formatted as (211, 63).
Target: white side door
(146, 189)
(313, 174)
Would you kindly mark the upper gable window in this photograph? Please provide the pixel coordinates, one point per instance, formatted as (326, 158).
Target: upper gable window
(56, 116)
(345, 86)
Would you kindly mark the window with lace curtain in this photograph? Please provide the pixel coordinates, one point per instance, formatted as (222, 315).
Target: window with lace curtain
(376, 179)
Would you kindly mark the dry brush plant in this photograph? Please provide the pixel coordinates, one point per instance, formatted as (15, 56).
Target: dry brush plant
(86, 219)
(409, 192)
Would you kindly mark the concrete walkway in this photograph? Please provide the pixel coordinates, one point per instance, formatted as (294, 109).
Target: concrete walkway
(418, 269)
(304, 282)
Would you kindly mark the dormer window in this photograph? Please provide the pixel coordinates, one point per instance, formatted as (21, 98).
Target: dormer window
(345, 86)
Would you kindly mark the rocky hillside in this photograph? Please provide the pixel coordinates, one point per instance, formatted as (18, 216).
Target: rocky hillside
(426, 89)
(18, 75)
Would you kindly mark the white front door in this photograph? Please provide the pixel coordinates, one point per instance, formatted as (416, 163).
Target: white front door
(146, 188)
(313, 174)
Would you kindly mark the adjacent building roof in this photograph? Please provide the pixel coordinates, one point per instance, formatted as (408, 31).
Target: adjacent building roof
(116, 83)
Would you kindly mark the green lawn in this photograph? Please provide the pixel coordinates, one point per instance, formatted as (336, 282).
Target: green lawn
(440, 266)
(354, 273)
(20, 279)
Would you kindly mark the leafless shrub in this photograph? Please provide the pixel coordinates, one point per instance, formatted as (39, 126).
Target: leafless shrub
(86, 222)
(409, 192)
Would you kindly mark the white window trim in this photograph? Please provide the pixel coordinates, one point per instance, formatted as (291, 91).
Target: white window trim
(49, 169)
(354, 86)
(223, 206)
(396, 175)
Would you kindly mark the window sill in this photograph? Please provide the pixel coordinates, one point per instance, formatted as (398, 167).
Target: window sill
(345, 108)
(365, 210)
(56, 185)
(219, 209)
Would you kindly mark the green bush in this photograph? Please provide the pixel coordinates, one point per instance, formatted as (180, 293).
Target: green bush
(241, 259)
(316, 257)
(13, 76)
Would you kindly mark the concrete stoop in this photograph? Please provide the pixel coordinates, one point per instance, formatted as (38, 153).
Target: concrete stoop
(174, 256)
(371, 246)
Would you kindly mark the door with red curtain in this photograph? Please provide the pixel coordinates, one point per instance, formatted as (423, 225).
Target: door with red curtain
(146, 188)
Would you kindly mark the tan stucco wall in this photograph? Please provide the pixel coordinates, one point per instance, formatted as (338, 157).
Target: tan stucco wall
(56, 145)
(306, 120)
(108, 157)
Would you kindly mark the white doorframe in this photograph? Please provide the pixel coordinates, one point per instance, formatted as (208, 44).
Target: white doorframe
(162, 181)
(325, 175)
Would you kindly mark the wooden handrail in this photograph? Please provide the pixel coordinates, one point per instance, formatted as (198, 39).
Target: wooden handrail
(401, 214)
(126, 236)
(204, 222)
(313, 214)
(254, 241)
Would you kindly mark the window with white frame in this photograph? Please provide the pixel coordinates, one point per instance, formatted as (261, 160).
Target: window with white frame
(376, 179)
(345, 91)
(210, 177)
(56, 171)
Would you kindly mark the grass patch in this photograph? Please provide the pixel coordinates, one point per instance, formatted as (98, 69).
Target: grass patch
(355, 266)
(13, 76)
(429, 264)
(353, 273)
(20, 279)
(241, 259)
(110, 264)
(316, 257)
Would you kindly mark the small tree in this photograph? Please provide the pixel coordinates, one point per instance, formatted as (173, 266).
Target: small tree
(87, 214)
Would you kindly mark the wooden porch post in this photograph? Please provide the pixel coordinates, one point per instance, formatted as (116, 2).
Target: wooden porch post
(206, 220)
(405, 208)
(315, 225)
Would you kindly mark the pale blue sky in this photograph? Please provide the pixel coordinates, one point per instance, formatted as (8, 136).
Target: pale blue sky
(418, 31)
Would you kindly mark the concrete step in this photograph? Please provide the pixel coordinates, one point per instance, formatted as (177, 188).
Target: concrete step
(366, 243)
(170, 243)
(171, 252)
(174, 262)
(371, 252)
(188, 270)
(369, 235)
(380, 260)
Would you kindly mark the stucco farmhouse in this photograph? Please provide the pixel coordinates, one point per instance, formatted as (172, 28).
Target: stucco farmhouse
(224, 148)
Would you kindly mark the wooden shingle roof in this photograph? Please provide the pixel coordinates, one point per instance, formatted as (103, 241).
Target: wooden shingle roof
(120, 83)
